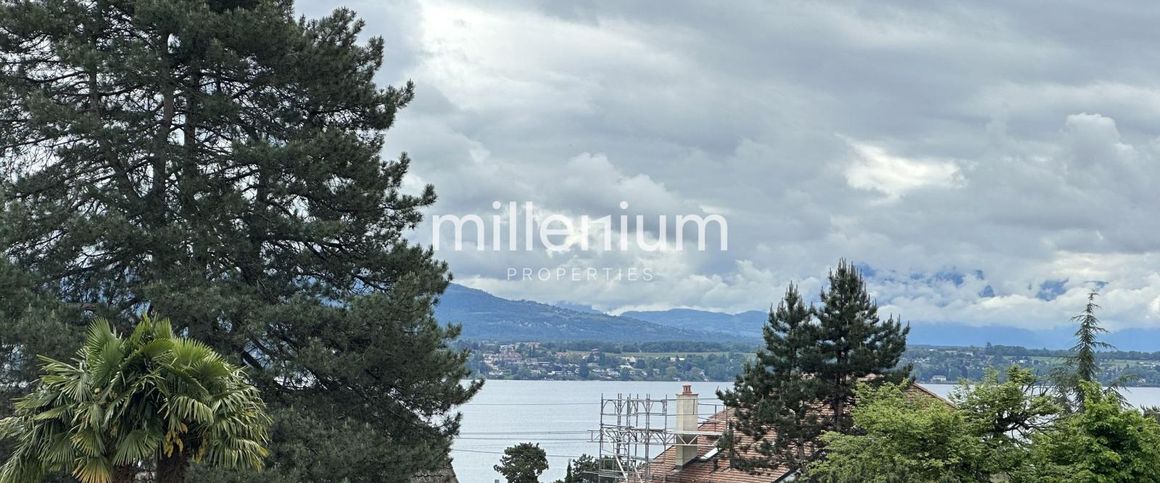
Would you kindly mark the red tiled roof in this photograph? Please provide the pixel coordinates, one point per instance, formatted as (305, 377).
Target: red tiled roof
(716, 468)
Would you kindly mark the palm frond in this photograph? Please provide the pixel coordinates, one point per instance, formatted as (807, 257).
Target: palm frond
(124, 401)
(93, 469)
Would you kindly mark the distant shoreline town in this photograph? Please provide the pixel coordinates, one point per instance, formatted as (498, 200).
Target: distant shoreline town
(705, 361)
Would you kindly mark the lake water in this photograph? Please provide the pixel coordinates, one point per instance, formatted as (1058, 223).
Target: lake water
(559, 414)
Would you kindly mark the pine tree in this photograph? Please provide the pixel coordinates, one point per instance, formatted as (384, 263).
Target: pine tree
(1083, 363)
(1087, 343)
(218, 162)
(775, 393)
(853, 342)
(523, 463)
(585, 469)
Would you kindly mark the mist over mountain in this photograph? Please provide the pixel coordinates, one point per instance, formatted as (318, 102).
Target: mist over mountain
(487, 317)
(1136, 339)
(749, 324)
(744, 324)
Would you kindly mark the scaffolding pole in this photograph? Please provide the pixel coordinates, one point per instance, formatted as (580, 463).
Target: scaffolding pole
(634, 431)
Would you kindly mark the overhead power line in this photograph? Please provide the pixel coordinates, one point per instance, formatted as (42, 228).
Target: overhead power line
(509, 438)
(501, 453)
(533, 404)
(505, 433)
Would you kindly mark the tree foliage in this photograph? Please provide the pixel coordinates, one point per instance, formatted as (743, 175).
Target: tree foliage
(31, 324)
(149, 400)
(1087, 341)
(853, 341)
(901, 435)
(802, 382)
(584, 469)
(1006, 413)
(779, 421)
(1008, 428)
(1083, 362)
(1104, 442)
(523, 463)
(219, 161)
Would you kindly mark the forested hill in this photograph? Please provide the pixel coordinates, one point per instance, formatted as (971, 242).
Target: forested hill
(746, 324)
(487, 317)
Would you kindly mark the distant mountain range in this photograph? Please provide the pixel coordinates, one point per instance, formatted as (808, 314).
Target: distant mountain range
(744, 324)
(487, 317)
(1144, 340)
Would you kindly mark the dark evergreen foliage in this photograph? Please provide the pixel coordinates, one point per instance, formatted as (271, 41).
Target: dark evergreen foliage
(854, 343)
(775, 392)
(585, 469)
(523, 463)
(802, 382)
(1087, 341)
(1083, 359)
(218, 162)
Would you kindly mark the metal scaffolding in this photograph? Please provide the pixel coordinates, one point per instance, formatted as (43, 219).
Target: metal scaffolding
(634, 431)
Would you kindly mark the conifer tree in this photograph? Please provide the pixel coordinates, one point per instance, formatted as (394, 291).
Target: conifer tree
(1087, 341)
(522, 463)
(853, 342)
(218, 161)
(1083, 363)
(775, 393)
(585, 469)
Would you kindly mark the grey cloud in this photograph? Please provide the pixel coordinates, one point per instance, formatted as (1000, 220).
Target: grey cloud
(913, 136)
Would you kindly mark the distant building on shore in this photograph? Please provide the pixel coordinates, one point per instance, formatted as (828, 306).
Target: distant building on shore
(444, 475)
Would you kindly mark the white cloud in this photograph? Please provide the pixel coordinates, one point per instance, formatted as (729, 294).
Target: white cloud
(875, 169)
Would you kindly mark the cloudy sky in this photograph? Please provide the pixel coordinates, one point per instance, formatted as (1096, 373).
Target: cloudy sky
(985, 162)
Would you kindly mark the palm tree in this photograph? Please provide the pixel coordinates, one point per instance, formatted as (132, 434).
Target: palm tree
(125, 403)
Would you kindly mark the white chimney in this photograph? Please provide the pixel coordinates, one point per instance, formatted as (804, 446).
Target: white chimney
(686, 425)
